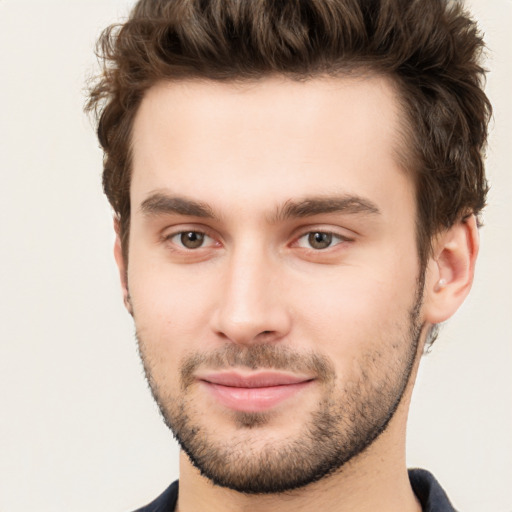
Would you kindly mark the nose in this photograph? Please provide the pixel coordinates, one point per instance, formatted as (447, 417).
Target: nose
(251, 307)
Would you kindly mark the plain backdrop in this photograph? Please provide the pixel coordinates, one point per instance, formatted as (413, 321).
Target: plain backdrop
(78, 428)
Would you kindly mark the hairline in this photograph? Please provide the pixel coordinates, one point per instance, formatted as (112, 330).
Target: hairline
(403, 151)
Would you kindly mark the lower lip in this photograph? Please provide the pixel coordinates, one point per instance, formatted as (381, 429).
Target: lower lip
(254, 399)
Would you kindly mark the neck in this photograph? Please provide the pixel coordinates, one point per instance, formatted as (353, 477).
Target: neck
(376, 481)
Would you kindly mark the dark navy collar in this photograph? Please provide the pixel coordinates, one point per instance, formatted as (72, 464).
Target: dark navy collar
(428, 491)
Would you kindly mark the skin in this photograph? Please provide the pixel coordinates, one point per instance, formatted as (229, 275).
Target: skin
(244, 152)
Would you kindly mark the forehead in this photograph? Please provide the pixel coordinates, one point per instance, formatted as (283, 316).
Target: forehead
(271, 139)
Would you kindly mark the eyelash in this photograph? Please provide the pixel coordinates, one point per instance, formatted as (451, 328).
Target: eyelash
(169, 238)
(331, 238)
(329, 235)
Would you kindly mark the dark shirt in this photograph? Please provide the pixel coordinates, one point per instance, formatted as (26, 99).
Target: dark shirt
(425, 486)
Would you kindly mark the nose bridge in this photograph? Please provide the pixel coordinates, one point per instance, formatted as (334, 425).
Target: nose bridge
(250, 303)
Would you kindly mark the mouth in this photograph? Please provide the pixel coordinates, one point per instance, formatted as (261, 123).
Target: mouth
(254, 392)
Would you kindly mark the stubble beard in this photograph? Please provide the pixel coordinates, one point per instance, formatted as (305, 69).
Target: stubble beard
(347, 420)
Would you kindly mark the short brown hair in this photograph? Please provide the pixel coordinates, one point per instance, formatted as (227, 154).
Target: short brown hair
(431, 49)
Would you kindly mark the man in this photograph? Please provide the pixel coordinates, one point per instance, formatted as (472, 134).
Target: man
(296, 188)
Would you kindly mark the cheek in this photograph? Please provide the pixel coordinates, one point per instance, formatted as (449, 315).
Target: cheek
(358, 312)
(165, 317)
(171, 305)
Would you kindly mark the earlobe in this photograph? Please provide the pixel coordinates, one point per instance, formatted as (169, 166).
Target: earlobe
(450, 270)
(121, 265)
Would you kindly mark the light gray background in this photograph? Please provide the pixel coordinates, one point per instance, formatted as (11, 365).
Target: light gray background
(78, 429)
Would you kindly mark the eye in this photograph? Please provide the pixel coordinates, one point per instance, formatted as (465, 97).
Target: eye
(319, 240)
(191, 239)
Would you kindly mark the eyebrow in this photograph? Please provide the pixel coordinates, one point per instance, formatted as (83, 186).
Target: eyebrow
(309, 207)
(159, 203)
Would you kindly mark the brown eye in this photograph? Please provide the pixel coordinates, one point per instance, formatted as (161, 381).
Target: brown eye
(192, 239)
(319, 240)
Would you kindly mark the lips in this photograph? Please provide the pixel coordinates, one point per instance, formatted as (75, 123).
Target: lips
(255, 392)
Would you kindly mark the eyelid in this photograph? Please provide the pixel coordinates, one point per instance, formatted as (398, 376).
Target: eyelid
(170, 232)
(338, 232)
(337, 239)
(342, 235)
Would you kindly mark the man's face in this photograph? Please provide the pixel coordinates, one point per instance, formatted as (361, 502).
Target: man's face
(273, 272)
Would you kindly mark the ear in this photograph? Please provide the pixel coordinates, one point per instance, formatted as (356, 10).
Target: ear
(450, 270)
(122, 267)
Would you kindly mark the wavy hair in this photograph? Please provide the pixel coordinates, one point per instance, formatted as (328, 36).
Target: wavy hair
(431, 50)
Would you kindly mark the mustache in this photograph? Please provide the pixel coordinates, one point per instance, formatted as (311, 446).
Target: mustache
(257, 357)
